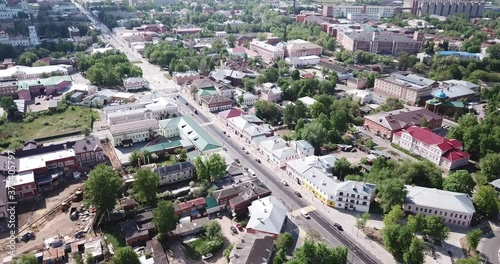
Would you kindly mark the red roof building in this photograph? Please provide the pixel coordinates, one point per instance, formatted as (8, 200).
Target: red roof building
(447, 153)
(230, 113)
(194, 208)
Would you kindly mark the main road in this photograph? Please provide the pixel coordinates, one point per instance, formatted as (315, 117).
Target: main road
(153, 74)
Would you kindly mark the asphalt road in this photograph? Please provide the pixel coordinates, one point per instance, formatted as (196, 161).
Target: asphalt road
(329, 233)
(490, 247)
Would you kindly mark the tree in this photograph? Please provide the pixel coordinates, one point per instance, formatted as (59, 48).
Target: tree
(435, 229)
(459, 181)
(489, 164)
(415, 253)
(471, 260)
(295, 74)
(9, 106)
(361, 220)
(145, 185)
(284, 240)
(267, 111)
(102, 188)
(416, 222)
(271, 74)
(27, 58)
(164, 218)
(391, 104)
(494, 51)
(395, 216)
(391, 192)
(342, 167)
(26, 259)
(230, 40)
(473, 238)
(397, 239)
(312, 252)
(316, 109)
(486, 201)
(125, 255)
(211, 169)
(280, 256)
(249, 84)
(315, 134)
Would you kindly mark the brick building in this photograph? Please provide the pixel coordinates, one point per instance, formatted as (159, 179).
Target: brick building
(409, 88)
(384, 43)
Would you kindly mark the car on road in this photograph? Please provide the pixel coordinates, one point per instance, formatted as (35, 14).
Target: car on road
(305, 214)
(258, 160)
(37, 103)
(207, 256)
(224, 132)
(242, 148)
(239, 227)
(233, 230)
(187, 103)
(237, 160)
(245, 168)
(338, 226)
(284, 182)
(225, 149)
(246, 152)
(298, 194)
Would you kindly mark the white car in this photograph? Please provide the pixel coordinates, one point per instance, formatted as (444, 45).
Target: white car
(207, 256)
(305, 214)
(284, 182)
(139, 250)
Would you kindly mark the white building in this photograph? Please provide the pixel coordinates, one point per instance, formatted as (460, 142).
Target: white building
(303, 148)
(267, 216)
(307, 101)
(364, 96)
(135, 83)
(344, 10)
(175, 173)
(271, 144)
(272, 94)
(248, 131)
(31, 40)
(314, 173)
(129, 133)
(9, 12)
(159, 108)
(29, 73)
(303, 61)
(455, 208)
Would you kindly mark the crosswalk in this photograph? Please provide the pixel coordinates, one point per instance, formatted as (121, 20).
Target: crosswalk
(298, 212)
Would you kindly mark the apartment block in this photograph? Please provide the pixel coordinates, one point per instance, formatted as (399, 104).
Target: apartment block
(446, 153)
(469, 8)
(384, 43)
(175, 173)
(132, 132)
(455, 208)
(268, 53)
(408, 88)
(302, 48)
(342, 11)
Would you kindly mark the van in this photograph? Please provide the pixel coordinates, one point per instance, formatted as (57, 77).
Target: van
(305, 214)
(251, 172)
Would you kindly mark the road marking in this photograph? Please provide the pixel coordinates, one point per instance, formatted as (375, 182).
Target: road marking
(298, 212)
(206, 124)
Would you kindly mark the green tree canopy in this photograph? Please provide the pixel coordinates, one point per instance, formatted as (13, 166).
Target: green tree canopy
(435, 229)
(102, 188)
(459, 181)
(164, 218)
(267, 111)
(473, 238)
(415, 253)
(490, 166)
(284, 240)
(26, 259)
(27, 58)
(392, 193)
(145, 185)
(397, 240)
(486, 201)
(125, 255)
(395, 216)
(210, 169)
(313, 253)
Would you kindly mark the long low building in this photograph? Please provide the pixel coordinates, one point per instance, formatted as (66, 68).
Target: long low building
(158, 109)
(129, 133)
(455, 208)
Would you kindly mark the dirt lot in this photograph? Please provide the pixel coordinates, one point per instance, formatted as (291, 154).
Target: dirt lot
(352, 157)
(177, 253)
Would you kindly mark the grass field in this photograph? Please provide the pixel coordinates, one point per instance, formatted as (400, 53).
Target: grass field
(74, 119)
(114, 237)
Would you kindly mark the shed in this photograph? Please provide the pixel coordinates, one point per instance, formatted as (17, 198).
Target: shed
(76, 97)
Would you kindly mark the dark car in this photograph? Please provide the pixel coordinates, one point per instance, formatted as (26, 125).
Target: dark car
(258, 160)
(237, 160)
(234, 231)
(28, 236)
(298, 194)
(338, 226)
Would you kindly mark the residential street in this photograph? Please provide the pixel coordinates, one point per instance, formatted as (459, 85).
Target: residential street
(490, 246)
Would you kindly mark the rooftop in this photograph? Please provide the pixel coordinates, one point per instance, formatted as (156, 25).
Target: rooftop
(39, 161)
(54, 80)
(267, 215)
(25, 70)
(20, 179)
(134, 126)
(412, 81)
(300, 44)
(425, 135)
(403, 118)
(252, 248)
(439, 199)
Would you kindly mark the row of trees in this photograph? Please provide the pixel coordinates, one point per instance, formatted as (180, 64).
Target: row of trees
(108, 69)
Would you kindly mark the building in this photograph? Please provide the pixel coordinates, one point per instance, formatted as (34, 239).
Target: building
(446, 153)
(28, 73)
(181, 78)
(459, 54)
(73, 32)
(187, 129)
(193, 208)
(268, 53)
(31, 40)
(135, 83)
(76, 97)
(225, 115)
(8, 12)
(250, 190)
(158, 108)
(469, 8)
(89, 151)
(23, 184)
(247, 129)
(8, 88)
(384, 43)
(364, 96)
(187, 31)
(307, 101)
(216, 103)
(303, 148)
(314, 173)
(248, 99)
(342, 11)
(133, 234)
(252, 248)
(187, 227)
(175, 173)
(304, 61)
(409, 88)
(386, 124)
(267, 216)
(356, 83)
(455, 91)
(271, 94)
(241, 40)
(455, 208)
(302, 48)
(127, 134)
(47, 86)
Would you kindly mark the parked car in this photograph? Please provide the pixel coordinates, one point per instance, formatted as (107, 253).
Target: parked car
(258, 160)
(246, 152)
(219, 215)
(239, 227)
(207, 256)
(79, 234)
(139, 250)
(298, 194)
(237, 160)
(225, 149)
(233, 230)
(338, 226)
(37, 103)
(242, 148)
(27, 236)
(284, 182)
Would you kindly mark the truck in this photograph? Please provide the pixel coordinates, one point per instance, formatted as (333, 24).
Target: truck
(73, 213)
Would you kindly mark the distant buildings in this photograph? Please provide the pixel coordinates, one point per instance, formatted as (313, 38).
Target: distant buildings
(216, 103)
(31, 40)
(267, 52)
(385, 43)
(28, 73)
(135, 83)
(239, 196)
(459, 54)
(469, 8)
(185, 77)
(454, 208)
(35, 87)
(446, 153)
(386, 124)
(409, 88)
(302, 48)
(343, 11)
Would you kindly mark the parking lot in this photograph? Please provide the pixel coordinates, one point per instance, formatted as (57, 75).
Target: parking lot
(40, 104)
